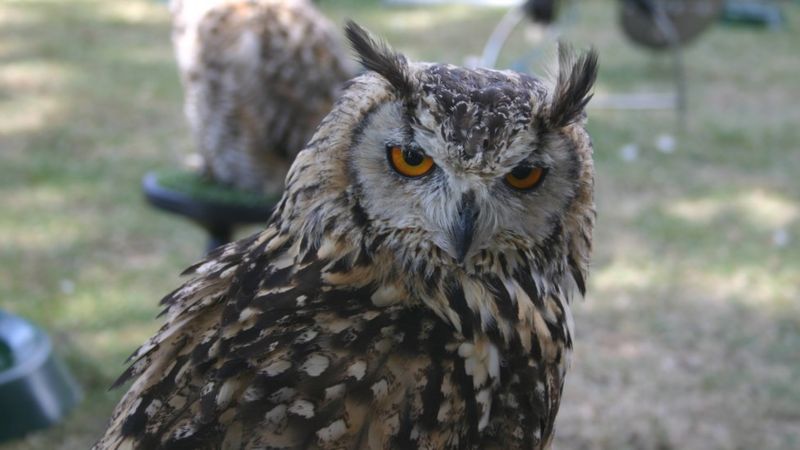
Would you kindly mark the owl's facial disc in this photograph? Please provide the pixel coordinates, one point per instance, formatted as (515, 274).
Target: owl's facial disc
(413, 180)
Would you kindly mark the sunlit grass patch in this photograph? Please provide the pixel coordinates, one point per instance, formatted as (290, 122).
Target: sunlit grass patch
(760, 208)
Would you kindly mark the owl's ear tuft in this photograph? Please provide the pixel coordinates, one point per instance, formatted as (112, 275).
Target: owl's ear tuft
(378, 57)
(576, 76)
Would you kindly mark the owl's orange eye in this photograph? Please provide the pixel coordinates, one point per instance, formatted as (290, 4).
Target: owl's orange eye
(525, 177)
(410, 163)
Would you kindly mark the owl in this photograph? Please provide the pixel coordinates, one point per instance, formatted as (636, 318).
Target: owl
(258, 77)
(412, 289)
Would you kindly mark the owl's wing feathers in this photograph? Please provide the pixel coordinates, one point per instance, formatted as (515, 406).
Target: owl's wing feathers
(261, 350)
(270, 347)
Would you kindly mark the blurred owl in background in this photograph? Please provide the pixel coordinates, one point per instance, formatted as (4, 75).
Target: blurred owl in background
(411, 290)
(258, 77)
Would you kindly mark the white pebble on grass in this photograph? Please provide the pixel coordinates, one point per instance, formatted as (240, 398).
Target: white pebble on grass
(666, 143)
(629, 152)
(67, 286)
(781, 238)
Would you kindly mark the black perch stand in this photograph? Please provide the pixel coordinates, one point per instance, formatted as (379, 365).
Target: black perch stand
(217, 209)
(36, 391)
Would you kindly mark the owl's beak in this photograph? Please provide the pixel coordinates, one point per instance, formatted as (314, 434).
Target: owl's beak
(464, 226)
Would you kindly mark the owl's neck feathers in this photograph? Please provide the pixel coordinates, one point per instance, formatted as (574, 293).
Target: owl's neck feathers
(514, 298)
(509, 297)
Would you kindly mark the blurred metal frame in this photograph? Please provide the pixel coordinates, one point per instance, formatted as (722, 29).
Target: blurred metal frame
(653, 24)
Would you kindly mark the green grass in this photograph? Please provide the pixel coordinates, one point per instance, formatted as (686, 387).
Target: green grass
(198, 187)
(689, 337)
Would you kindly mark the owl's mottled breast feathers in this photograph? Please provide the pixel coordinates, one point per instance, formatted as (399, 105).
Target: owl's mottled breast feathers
(278, 343)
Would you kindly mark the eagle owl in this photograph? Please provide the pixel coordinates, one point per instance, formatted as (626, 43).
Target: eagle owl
(412, 289)
(258, 77)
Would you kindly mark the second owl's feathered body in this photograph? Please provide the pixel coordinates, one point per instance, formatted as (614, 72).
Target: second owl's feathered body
(258, 77)
(412, 289)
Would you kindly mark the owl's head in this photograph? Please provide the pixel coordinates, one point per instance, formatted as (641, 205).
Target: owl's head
(462, 163)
